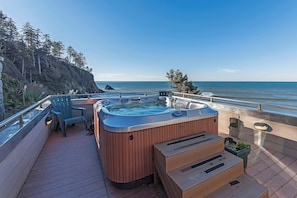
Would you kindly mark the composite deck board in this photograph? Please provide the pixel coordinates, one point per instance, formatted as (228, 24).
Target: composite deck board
(70, 167)
(276, 171)
(67, 167)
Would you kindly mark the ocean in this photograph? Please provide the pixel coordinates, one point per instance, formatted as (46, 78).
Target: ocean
(274, 93)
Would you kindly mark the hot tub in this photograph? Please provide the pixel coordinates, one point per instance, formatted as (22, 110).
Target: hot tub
(127, 128)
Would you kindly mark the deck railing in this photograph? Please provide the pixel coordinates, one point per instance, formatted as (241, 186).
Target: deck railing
(278, 109)
(254, 105)
(20, 115)
(212, 99)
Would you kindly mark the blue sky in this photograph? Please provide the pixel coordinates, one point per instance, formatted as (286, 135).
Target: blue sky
(141, 40)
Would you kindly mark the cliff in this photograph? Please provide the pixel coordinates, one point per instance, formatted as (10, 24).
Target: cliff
(25, 81)
(35, 66)
(59, 78)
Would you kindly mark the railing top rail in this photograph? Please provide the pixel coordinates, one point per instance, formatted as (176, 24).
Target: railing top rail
(237, 101)
(22, 112)
(29, 108)
(17, 115)
(211, 98)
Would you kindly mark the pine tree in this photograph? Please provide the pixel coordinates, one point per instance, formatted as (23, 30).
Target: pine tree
(180, 82)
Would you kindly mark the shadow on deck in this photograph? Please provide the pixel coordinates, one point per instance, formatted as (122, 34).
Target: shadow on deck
(70, 167)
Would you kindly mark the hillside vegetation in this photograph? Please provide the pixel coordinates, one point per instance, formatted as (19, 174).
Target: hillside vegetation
(34, 66)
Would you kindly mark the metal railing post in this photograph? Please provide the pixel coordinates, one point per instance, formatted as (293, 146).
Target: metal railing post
(21, 119)
(211, 99)
(259, 107)
(2, 108)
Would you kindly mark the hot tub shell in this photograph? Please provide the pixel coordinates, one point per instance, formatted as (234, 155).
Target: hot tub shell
(125, 143)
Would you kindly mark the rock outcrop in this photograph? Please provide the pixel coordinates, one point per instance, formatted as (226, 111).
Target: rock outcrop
(108, 87)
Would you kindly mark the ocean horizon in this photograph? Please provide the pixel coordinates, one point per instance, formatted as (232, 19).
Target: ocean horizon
(273, 93)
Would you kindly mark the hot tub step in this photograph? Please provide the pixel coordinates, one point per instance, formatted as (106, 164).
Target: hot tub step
(204, 176)
(243, 186)
(176, 153)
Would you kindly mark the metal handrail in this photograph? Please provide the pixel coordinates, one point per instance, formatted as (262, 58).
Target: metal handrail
(19, 115)
(259, 105)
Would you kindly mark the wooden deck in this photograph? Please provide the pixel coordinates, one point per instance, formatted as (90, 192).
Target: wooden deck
(274, 170)
(70, 167)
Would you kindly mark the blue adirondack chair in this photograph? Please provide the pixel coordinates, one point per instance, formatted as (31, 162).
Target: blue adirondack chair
(62, 108)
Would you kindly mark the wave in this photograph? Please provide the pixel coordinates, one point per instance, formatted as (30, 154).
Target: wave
(207, 94)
